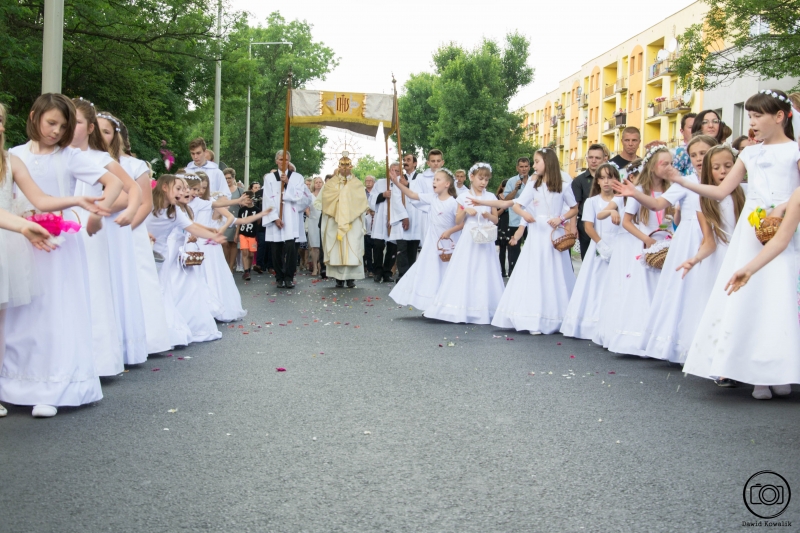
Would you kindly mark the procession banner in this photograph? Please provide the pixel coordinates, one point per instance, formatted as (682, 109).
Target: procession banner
(361, 113)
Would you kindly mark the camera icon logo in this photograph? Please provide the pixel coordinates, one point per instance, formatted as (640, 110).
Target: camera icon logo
(767, 494)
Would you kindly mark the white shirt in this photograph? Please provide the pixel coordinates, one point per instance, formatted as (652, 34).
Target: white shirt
(216, 179)
(161, 227)
(292, 198)
(423, 184)
(399, 212)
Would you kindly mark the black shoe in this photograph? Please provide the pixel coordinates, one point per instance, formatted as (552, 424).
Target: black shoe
(339, 284)
(726, 383)
(279, 284)
(377, 279)
(246, 275)
(351, 284)
(288, 285)
(258, 269)
(387, 279)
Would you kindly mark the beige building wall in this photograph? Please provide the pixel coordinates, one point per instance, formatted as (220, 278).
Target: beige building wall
(629, 85)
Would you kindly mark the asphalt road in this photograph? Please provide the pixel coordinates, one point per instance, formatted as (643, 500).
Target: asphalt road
(387, 421)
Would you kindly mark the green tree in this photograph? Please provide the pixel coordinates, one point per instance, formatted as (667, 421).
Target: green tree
(267, 72)
(462, 108)
(369, 166)
(143, 61)
(741, 38)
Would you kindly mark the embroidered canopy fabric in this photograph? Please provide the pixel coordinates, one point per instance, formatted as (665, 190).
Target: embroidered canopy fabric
(361, 113)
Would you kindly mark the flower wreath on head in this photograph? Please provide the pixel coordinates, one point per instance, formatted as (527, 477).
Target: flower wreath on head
(650, 153)
(477, 166)
(82, 99)
(448, 172)
(781, 98)
(110, 119)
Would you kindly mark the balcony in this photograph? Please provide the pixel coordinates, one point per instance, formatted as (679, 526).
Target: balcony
(660, 68)
(675, 106)
(622, 85)
(553, 122)
(674, 143)
(561, 114)
(620, 120)
(559, 142)
(583, 131)
(584, 99)
(609, 125)
(609, 90)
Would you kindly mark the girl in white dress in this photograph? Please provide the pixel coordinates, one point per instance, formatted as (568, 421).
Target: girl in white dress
(753, 335)
(186, 302)
(155, 319)
(117, 317)
(602, 215)
(49, 360)
(215, 269)
(474, 285)
(673, 292)
(538, 291)
(632, 284)
(419, 285)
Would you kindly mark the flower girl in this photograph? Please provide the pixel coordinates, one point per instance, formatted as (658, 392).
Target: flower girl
(539, 289)
(419, 285)
(473, 285)
(753, 335)
(631, 284)
(602, 215)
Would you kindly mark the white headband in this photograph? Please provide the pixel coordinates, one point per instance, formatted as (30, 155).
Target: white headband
(477, 166)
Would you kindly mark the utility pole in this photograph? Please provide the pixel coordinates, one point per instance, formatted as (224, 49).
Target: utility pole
(218, 87)
(52, 46)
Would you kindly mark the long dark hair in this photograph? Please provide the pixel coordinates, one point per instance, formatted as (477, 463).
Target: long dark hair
(612, 171)
(96, 139)
(501, 187)
(766, 104)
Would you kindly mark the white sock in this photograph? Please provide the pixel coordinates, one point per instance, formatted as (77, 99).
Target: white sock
(762, 392)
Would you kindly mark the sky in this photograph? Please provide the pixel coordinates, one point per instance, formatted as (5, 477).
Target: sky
(564, 36)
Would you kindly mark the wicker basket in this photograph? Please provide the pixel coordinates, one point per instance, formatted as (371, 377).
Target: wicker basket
(444, 254)
(656, 259)
(769, 227)
(563, 243)
(193, 258)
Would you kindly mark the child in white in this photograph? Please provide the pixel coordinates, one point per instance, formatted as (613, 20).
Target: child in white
(538, 292)
(631, 284)
(419, 285)
(602, 215)
(48, 360)
(666, 309)
(473, 286)
(753, 335)
(197, 324)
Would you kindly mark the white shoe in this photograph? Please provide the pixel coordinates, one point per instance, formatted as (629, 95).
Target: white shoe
(3, 411)
(536, 332)
(762, 392)
(781, 390)
(44, 411)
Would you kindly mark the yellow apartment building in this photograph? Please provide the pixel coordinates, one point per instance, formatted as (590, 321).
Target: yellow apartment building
(632, 84)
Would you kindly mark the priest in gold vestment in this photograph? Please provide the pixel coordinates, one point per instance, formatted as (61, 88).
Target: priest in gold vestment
(344, 203)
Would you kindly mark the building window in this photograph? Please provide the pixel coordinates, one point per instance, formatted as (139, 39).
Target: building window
(738, 119)
(638, 99)
(641, 60)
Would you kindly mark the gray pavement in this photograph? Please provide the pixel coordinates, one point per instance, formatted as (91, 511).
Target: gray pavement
(387, 421)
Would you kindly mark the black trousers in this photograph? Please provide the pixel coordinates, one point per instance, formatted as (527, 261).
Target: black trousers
(583, 238)
(503, 252)
(406, 256)
(383, 262)
(368, 261)
(261, 253)
(514, 251)
(284, 259)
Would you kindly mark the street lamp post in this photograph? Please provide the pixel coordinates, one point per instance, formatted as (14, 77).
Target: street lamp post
(218, 88)
(247, 132)
(52, 46)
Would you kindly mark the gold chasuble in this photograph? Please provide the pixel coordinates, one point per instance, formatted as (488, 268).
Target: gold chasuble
(344, 202)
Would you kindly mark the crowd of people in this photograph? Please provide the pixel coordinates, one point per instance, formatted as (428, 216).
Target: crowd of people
(101, 265)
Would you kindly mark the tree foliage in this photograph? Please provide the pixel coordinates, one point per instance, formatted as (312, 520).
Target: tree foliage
(741, 38)
(462, 107)
(152, 64)
(367, 165)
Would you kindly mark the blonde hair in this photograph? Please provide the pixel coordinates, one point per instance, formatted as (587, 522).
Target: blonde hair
(646, 183)
(710, 208)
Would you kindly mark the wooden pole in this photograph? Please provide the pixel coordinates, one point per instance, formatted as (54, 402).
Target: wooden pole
(388, 188)
(285, 158)
(397, 129)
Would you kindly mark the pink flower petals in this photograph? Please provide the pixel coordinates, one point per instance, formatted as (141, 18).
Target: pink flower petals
(558, 344)
(156, 369)
(280, 369)
(612, 372)
(572, 357)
